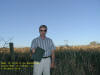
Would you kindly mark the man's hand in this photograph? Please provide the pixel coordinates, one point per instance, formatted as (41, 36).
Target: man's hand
(33, 50)
(52, 65)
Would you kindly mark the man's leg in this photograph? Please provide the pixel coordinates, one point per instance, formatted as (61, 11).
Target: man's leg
(38, 68)
(46, 67)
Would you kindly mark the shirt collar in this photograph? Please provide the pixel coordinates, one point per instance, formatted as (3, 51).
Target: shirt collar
(41, 38)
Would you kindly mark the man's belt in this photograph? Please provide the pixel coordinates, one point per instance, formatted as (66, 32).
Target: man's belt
(46, 57)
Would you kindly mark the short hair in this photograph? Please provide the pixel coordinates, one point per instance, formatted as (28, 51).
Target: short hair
(43, 26)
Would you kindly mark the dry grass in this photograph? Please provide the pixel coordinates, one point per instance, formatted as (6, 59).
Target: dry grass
(27, 49)
(73, 60)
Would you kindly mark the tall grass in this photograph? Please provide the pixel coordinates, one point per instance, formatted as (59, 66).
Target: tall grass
(73, 62)
(68, 62)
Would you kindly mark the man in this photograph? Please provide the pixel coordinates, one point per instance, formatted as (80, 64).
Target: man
(47, 44)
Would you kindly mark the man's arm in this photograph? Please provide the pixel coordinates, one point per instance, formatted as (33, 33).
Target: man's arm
(32, 52)
(53, 48)
(53, 56)
(53, 59)
(33, 46)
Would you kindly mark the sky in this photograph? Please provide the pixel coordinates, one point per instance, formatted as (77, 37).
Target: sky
(72, 22)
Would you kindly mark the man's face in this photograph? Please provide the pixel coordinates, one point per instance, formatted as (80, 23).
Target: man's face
(43, 31)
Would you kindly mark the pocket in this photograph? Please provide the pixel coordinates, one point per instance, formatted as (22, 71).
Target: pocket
(49, 61)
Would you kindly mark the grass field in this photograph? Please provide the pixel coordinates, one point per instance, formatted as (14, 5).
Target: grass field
(69, 61)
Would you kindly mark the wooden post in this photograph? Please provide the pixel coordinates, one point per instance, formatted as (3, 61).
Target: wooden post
(12, 51)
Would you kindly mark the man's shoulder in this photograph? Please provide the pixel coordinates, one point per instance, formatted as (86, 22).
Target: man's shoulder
(35, 38)
(49, 38)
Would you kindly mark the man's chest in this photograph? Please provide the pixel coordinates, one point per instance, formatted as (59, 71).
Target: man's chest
(45, 44)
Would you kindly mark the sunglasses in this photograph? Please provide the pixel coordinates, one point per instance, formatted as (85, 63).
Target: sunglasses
(43, 30)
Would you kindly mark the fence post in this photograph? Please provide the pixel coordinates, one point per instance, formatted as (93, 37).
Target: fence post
(12, 51)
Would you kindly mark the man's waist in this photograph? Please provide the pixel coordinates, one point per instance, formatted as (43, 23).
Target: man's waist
(46, 56)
